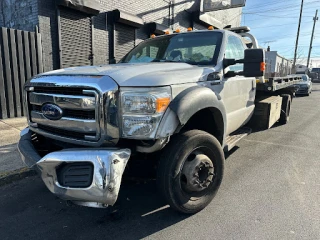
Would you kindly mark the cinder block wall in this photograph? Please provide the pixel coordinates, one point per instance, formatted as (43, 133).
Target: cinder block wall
(19, 14)
(48, 26)
(153, 11)
(26, 14)
(149, 11)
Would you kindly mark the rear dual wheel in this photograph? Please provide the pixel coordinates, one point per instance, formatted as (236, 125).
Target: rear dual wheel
(285, 108)
(190, 171)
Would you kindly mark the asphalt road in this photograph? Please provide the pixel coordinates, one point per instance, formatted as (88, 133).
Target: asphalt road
(271, 190)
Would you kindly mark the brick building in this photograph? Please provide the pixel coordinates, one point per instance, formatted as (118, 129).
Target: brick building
(84, 32)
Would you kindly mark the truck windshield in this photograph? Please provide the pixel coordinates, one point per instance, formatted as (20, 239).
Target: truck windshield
(315, 70)
(197, 48)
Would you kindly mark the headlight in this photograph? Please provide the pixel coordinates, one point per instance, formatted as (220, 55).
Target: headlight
(142, 110)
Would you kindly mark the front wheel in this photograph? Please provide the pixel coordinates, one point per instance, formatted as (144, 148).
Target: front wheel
(190, 171)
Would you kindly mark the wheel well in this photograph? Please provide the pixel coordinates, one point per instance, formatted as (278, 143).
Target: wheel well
(209, 120)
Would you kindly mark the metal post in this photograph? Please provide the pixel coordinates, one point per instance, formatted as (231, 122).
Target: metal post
(314, 25)
(297, 40)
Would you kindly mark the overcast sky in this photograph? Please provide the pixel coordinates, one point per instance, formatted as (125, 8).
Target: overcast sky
(275, 23)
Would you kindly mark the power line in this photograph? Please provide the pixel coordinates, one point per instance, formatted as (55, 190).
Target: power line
(275, 25)
(275, 3)
(262, 15)
(289, 6)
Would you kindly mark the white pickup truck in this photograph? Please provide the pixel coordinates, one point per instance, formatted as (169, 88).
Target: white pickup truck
(177, 100)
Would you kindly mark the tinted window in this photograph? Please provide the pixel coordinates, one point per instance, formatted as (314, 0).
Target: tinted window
(235, 50)
(199, 48)
(315, 70)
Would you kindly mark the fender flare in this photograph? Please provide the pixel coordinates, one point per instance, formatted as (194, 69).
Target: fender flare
(186, 104)
(192, 100)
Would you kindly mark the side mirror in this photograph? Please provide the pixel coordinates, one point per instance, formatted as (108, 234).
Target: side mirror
(254, 63)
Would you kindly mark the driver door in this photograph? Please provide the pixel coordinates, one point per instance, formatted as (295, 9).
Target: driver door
(237, 93)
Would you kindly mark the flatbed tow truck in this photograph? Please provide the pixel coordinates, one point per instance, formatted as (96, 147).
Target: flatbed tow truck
(177, 100)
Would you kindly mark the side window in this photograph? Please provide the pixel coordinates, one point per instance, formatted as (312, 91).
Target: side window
(235, 50)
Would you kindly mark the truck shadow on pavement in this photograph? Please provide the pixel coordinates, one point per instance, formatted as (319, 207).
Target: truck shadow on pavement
(8, 149)
(29, 211)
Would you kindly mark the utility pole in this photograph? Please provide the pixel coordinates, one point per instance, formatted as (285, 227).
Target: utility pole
(297, 41)
(314, 25)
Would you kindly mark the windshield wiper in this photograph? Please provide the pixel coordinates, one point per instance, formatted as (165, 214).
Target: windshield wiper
(166, 60)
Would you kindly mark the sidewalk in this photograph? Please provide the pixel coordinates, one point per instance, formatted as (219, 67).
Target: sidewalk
(9, 136)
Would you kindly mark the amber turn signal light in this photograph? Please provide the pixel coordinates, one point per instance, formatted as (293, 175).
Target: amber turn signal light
(162, 104)
(262, 66)
(210, 28)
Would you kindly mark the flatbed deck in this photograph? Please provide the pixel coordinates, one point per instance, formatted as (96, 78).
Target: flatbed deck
(277, 83)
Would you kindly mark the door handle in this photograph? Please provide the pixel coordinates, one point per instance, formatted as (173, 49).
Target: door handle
(217, 82)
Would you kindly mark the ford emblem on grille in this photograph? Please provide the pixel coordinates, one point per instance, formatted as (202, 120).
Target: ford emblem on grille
(52, 111)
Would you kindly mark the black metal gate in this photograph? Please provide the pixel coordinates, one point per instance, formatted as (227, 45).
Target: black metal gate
(75, 38)
(20, 59)
(125, 40)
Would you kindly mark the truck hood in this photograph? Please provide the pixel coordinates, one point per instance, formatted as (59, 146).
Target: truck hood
(142, 74)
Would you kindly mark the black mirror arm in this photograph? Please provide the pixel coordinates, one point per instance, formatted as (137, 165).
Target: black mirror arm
(228, 62)
(240, 61)
(230, 74)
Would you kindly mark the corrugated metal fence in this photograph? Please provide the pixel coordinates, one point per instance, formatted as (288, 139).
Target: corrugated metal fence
(20, 59)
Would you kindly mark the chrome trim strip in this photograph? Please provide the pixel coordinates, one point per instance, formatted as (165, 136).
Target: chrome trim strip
(67, 139)
(63, 101)
(97, 115)
(70, 124)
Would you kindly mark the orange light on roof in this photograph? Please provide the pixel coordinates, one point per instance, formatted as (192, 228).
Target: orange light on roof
(153, 36)
(167, 32)
(189, 29)
(210, 28)
(177, 30)
(262, 66)
(162, 104)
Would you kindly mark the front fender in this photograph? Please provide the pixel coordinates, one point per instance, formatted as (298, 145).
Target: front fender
(192, 100)
(185, 105)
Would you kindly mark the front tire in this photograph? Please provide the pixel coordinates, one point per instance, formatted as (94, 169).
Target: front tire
(190, 171)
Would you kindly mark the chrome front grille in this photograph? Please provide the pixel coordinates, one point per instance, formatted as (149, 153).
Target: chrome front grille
(87, 108)
(80, 113)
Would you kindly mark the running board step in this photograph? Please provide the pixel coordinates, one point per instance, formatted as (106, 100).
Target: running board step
(235, 137)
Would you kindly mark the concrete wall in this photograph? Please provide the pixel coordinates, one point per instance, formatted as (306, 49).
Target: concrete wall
(19, 14)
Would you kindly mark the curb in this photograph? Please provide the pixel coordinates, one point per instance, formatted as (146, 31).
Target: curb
(9, 177)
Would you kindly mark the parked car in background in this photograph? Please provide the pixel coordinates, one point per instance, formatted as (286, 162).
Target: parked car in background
(305, 86)
(315, 74)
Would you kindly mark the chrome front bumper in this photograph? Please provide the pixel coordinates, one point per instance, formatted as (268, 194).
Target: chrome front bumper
(108, 168)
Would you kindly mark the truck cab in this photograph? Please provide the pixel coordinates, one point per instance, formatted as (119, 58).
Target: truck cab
(176, 98)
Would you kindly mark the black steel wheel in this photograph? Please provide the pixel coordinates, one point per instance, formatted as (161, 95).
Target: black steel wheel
(285, 108)
(190, 171)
